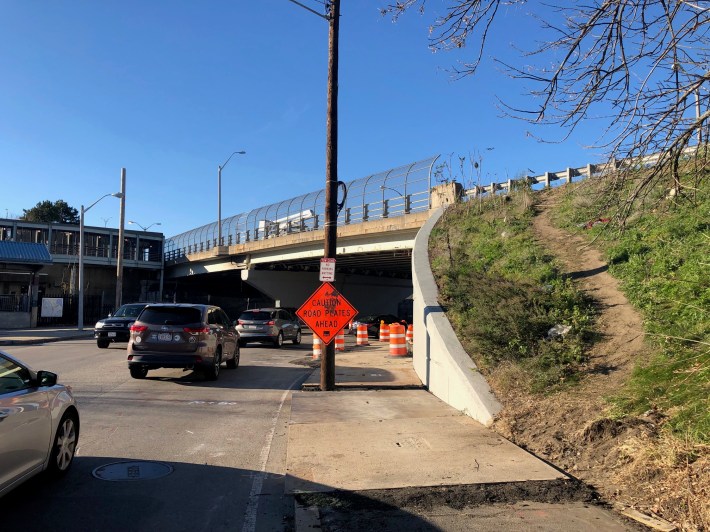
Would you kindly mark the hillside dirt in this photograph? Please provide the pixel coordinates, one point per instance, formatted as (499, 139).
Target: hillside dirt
(574, 429)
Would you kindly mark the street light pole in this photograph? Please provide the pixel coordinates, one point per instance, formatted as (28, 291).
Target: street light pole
(119, 256)
(219, 196)
(144, 228)
(80, 325)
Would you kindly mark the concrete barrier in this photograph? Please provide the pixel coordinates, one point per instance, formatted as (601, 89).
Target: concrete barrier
(439, 359)
(15, 320)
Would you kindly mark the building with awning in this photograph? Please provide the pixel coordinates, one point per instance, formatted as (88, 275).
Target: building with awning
(20, 264)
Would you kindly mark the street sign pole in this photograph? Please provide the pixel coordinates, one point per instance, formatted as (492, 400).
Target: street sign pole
(327, 368)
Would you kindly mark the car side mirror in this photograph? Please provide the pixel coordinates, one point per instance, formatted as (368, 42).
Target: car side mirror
(46, 378)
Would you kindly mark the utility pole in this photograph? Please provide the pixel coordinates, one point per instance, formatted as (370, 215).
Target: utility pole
(119, 257)
(327, 369)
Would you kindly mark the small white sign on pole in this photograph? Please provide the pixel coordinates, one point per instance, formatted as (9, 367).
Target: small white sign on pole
(52, 307)
(327, 270)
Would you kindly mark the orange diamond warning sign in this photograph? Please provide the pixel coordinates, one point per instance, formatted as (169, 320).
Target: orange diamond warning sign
(326, 312)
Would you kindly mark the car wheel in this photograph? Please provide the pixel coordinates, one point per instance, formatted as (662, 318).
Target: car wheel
(212, 372)
(65, 443)
(279, 340)
(103, 344)
(138, 372)
(297, 339)
(234, 362)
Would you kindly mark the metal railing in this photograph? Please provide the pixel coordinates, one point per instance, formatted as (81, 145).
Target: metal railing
(397, 192)
(14, 303)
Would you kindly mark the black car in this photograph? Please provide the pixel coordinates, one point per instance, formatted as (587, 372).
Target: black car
(373, 323)
(117, 327)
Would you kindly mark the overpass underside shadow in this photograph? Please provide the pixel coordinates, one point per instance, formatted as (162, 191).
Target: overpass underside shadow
(371, 290)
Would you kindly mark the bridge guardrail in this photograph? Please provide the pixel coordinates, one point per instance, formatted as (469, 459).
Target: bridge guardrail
(397, 192)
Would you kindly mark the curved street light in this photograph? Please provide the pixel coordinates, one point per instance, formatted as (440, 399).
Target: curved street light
(219, 195)
(118, 195)
(142, 227)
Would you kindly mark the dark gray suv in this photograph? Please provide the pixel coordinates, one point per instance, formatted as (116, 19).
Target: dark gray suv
(273, 325)
(182, 336)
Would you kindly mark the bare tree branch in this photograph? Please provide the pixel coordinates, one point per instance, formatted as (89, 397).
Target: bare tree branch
(641, 64)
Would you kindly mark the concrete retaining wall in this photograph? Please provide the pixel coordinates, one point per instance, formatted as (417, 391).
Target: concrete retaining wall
(15, 320)
(439, 359)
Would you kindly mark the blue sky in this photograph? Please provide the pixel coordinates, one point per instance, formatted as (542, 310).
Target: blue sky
(169, 89)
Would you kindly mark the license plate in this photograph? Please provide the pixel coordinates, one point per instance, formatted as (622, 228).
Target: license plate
(165, 337)
(112, 335)
(252, 327)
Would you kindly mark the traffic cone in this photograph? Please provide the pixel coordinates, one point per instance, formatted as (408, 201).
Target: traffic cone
(317, 348)
(398, 346)
(362, 334)
(410, 334)
(410, 338)
(384, 332)
(340, 341)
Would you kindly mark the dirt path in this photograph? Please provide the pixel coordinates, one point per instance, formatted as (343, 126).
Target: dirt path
(619, 322)
(572, 429)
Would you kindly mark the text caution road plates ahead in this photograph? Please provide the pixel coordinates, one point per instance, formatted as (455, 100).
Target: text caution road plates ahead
(326, 312)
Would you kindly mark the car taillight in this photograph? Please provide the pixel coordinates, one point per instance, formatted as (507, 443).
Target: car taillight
(196, 330)
(272, 322)
(240, 322)
(138, 328)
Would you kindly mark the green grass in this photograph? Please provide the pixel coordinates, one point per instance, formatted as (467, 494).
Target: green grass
(503, 292)
(662, 258)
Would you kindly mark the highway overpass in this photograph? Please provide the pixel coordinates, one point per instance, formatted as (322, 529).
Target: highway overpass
(276, 249)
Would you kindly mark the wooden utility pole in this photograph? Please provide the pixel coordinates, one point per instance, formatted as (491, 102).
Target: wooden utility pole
(327, 369)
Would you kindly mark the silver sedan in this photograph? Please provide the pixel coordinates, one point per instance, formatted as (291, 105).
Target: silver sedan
(39, 423)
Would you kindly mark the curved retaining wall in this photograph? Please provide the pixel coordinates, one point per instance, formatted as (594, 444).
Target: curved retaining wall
(439, 359)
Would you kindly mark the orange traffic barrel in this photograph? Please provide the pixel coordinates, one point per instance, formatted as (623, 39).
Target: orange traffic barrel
(410, 334)
(317, 348)
(340, 341)
(398, 345)
(384, 332)
(362, 334)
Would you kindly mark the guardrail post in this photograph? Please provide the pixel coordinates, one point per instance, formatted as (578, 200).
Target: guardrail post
(570, 173)
(547, 179)
(510, 187)
(589, 171)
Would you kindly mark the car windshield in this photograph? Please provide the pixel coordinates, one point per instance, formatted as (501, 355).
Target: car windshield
(171, 315)
(256, 315)
(128, 311)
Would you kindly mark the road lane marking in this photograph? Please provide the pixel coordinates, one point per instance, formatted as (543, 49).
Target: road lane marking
(253, 505)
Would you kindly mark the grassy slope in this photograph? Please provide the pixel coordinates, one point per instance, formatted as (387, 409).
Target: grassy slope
(503, 293)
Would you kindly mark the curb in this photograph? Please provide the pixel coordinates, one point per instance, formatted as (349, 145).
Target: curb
(34, 341)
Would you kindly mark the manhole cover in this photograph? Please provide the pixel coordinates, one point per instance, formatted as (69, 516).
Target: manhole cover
(135, 470)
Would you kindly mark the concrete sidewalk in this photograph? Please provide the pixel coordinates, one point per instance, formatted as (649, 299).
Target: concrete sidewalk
(381, 430)
(41, 335)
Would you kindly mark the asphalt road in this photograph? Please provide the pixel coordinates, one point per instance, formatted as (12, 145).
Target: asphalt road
(224, 443)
